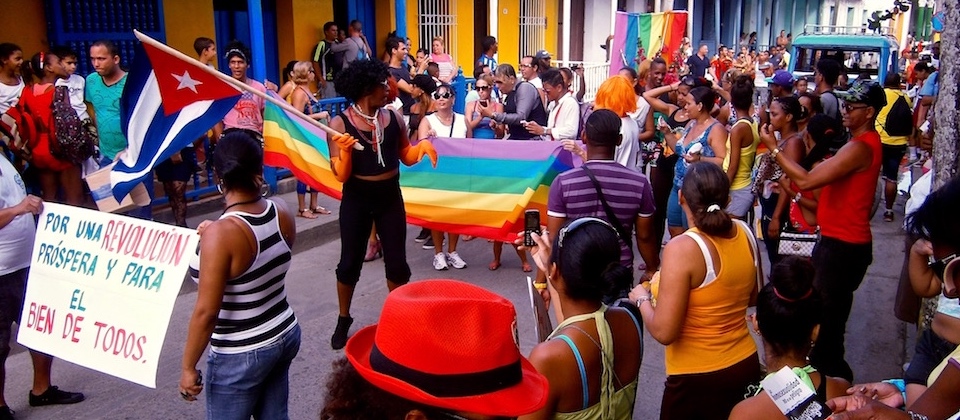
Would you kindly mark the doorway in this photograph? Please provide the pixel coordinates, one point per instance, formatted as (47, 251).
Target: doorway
(481, 28)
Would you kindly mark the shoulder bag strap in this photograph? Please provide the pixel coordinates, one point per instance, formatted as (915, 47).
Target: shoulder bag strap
(624, 235)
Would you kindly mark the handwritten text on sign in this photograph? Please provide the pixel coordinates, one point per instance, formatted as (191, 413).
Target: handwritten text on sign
(101, 289)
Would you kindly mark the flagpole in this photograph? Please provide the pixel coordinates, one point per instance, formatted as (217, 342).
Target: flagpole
(146, 39)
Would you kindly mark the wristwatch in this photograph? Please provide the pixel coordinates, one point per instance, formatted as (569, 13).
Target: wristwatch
(774, 153)
(796, 199)
(645, 298)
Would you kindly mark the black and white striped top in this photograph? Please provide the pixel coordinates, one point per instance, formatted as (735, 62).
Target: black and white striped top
(254, 312)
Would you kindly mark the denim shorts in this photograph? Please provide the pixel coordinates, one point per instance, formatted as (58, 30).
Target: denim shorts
(741, 201)
(253, 383)
(931, 349)
(675, 215)
(13, 287)
(892, 156)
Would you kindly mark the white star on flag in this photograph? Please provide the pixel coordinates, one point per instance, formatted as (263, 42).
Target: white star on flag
(186, 82)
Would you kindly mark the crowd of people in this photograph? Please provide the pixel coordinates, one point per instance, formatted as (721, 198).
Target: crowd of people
(695, 149)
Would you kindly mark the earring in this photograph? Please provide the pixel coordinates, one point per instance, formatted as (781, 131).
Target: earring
(220, 188)
(812, 343)
(264, 190)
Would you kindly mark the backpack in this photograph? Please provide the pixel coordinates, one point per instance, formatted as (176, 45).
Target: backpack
(73, 140)
(361, 52)
(17, 128)
(899, 121)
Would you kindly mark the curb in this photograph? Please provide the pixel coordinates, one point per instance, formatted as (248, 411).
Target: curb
(310, 233)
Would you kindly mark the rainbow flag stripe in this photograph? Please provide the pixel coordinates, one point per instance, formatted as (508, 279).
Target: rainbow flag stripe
(479, 187)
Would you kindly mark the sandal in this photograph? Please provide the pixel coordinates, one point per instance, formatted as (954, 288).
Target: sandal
(320, 210)
(527, 268)
(888, 216)
(306, 214)
(494, 266)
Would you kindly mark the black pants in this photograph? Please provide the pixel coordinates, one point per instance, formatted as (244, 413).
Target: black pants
(661, 181)
(711, 395)
(840, 267)
(767, 207)
(363, 203)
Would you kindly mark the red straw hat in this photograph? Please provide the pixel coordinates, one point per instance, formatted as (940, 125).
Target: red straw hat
(452, 345)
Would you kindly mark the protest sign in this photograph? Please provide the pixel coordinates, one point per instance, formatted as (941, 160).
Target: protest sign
(793, 397)
(101, 289)
(541, 314)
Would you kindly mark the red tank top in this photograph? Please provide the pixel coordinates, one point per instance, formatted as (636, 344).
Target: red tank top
(844, 209)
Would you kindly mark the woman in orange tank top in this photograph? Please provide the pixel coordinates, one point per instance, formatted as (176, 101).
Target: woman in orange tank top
(701, 303)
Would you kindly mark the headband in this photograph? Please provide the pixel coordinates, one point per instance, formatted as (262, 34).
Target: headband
(785, 299)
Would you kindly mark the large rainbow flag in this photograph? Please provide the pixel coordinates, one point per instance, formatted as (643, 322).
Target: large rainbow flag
(479, 187)
(655, 32)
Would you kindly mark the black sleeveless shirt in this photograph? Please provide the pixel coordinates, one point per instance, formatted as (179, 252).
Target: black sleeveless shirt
(538, 114)
(365, 161)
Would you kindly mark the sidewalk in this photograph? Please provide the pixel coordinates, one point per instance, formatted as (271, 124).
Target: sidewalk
(310, 232)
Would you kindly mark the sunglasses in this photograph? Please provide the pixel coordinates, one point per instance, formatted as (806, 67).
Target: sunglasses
(483, 87)
(444, 95)
(570, 228)
(847, 107)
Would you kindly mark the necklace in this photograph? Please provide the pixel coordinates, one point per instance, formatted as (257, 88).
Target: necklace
(374, 121)
(238, 203)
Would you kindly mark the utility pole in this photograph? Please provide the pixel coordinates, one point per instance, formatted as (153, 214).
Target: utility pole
(947, 108)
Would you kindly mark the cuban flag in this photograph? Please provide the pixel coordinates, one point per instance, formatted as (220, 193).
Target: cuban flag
(167, 103)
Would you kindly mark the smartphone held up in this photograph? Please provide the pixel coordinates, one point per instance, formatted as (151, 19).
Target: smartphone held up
(531, 224)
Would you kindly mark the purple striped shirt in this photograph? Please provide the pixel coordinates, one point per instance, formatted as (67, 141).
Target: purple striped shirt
(629, 194)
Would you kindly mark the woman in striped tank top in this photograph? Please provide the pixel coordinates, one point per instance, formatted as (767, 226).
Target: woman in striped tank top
(242, 308)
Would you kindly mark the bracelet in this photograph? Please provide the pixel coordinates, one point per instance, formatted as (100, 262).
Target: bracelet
(797, 198)
(917, 416)
(901, 386)
(774, 153)
(540, 286)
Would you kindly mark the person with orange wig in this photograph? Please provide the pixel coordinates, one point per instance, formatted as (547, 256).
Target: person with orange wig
(617, 94)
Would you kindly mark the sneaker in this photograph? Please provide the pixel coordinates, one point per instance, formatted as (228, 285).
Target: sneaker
(423, 236)
(6, 413)
(439, 262)
(428, 243)
(339, 339)
(454, 260)
(54, 395)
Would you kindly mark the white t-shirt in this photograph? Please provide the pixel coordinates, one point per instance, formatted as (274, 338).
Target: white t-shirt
(536, 82)
(628, 152)
(563, 118)
(459, 130)
(76, 84)
(10, 95)
(16, 238)
(640, 115)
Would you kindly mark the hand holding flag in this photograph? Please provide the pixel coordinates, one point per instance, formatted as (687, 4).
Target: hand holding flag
(169, 101)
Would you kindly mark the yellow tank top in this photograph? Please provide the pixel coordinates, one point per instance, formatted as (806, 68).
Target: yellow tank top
(614, 403)
(714, 335)
(748, 154)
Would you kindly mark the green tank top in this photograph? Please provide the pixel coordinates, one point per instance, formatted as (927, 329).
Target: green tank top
(613, 404)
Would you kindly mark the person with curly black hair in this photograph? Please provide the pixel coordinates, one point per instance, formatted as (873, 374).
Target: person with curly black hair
(371, 181)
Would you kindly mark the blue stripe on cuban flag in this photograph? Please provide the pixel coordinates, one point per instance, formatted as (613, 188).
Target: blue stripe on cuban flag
(164, 107)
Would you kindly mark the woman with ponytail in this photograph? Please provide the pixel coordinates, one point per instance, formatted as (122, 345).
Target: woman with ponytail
(785, 115)
(788, 321)
(709, 276)
(592, 359)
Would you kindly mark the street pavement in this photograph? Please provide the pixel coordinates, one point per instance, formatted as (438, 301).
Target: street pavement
(877, 343)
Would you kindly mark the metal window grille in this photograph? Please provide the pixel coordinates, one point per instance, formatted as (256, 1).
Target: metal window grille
(533, 26)
(437, 18)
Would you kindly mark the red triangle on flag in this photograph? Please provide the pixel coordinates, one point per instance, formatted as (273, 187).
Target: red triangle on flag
(182, 83)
